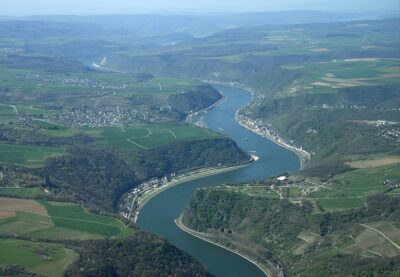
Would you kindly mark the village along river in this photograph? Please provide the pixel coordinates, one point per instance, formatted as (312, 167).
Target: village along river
(159, 214)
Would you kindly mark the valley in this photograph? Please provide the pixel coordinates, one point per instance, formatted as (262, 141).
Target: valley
(277, 146)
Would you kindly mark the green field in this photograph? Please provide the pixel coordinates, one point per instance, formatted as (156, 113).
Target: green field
(35, 82)
(294, 192)
(21, 192)
(354, 186)
(6, 110)
(64, 221)
(136, 136)
(45, 259)
(7, 114)
(33, 156)
(253, 190)
(339, 204)
(331, 76)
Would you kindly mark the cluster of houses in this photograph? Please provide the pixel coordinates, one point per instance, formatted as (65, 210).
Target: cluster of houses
(391, 183)
(102, 116)
(72, 81)
(354, 107)
(130, 202)
(394, 133)
(266, 130)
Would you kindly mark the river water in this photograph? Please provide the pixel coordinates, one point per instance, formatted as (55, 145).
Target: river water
(159, 214)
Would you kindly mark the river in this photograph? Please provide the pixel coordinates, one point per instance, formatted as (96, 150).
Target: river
(159, 214)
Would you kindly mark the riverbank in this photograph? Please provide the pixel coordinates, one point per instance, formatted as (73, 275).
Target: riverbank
(230, 84)
(160, 213)
(203, 236)
(180, 179)
(303, 155)
(208, 108)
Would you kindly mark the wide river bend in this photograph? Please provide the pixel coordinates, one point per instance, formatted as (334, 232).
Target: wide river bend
(159, 214)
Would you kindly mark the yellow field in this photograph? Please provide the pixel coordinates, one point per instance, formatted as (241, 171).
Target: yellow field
(8, 207)
(374, 162)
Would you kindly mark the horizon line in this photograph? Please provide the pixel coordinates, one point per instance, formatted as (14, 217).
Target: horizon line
(205, 13)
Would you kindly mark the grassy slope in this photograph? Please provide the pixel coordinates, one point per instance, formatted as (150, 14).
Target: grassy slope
(353, 187)
(32, 156)
(41, 258)
(65, 221)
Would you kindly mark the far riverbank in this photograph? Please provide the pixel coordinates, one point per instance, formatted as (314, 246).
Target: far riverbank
(303, 155)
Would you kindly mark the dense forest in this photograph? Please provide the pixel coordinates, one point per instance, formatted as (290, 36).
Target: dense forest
(140, 255)
(98, 177)
(181, 104)
(194, 100)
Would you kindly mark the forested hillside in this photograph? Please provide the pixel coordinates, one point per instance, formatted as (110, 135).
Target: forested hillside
(98, 177)
(141, 255)
(292, 235)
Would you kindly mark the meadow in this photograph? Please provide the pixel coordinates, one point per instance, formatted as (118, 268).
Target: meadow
(353, 187)
(136, 136)
(34, 87)
(330, 76)
(44, 259)
(22, 192)
(31, 156)
(62, 221)
(253, 191)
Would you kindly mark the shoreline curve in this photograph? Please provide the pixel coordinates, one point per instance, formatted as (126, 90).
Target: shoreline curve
(184, 228)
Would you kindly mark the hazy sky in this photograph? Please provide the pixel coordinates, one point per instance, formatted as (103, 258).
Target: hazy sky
(87, 7)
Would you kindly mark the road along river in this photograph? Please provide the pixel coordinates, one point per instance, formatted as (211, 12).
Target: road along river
(158, 215)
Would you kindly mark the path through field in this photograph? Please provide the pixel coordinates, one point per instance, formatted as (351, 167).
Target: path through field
(382, 234)
(172, 133)
(15, 109)
(141, 146)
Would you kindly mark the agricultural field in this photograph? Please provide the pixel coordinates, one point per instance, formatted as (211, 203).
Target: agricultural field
(253, 191)
(354, 186)
(323, 77)
(377, 161)
(31, 156)
(307, 238)
(373, 239)
(8, 114)
(340, 204)
(40, 86)
(56, 220)
(136, 136)
(22, 192)
(44, 259)
(6, 110)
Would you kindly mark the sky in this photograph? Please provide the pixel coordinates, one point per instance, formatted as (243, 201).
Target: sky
(90, 7)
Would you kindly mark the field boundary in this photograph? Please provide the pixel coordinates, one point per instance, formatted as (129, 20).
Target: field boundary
(382, 234)
(137, 144)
